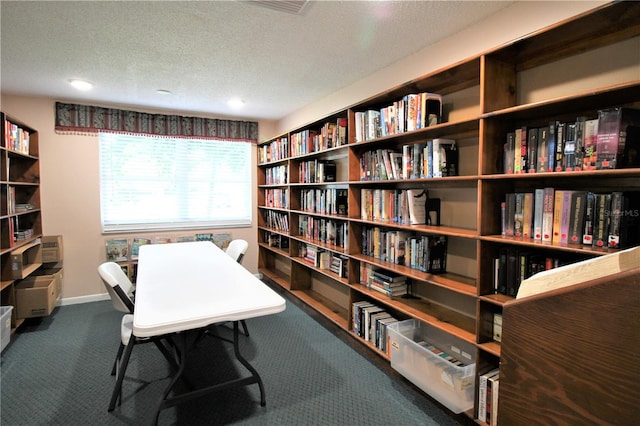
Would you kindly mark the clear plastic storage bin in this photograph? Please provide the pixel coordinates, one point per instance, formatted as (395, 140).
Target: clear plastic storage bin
(419, 352)
(5, 324)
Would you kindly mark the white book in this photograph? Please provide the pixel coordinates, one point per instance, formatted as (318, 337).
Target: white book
(417, 199)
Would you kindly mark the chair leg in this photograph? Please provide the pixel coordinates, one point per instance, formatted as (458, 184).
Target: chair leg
(244, 326)
(117, 390)
(117, 360)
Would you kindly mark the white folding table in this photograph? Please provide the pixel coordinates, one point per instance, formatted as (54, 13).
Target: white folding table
(187, 286)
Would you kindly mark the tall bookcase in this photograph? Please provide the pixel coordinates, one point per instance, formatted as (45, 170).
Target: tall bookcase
(20, 215)
(573, 68)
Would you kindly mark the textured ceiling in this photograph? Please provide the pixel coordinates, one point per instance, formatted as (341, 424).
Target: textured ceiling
(206, 52)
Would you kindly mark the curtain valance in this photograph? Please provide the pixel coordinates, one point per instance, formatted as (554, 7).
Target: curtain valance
(72, 118)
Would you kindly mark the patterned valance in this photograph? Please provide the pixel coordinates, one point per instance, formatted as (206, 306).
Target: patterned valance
(72, 118)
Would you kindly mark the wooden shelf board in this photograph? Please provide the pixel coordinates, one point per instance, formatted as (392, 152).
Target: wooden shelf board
(491, 347)
(572, 248)
(324, 306)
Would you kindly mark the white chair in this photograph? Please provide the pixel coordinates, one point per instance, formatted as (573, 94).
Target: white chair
(237, 249)
(119, 288)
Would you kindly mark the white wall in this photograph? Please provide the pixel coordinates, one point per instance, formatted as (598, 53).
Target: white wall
(513, 22)
(69, 164)
(70, 197)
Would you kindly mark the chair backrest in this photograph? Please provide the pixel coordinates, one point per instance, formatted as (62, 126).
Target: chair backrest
(118, 286)
(236, 249)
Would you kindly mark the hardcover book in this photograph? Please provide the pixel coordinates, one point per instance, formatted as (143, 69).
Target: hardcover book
(615, 126)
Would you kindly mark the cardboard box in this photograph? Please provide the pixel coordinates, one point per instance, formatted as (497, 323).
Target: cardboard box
(52, 249)
(35, 297)
(5, 326)
(26, 259)
(53, 273)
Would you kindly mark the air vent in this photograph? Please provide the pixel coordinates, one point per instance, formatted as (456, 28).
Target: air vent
(294, 7)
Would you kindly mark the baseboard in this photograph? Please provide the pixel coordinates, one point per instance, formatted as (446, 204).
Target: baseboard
(97, 297)
(82, 299)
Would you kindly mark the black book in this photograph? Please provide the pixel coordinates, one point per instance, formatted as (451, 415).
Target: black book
(502, 271)
(601, 220)
(590, 203)
(532, 147)
(576, 220)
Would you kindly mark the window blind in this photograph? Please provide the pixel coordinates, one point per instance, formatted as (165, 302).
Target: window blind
(156, 183)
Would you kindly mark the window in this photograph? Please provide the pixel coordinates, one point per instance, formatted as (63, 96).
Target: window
(163, 183)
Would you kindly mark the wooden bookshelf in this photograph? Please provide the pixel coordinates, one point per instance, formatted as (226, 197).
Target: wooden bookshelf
(20, 213)
(527, 82)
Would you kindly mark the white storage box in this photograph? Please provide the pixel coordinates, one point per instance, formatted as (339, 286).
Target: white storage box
(5, 326)
(429, 369)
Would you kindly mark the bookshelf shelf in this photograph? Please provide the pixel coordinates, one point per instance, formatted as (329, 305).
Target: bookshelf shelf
(528, 83)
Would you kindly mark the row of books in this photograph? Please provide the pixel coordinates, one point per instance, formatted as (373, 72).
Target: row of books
(488, 391)
(19, 231)
(324, 259)
(278, 175)
(331, 135)
(609, 141)
(403, 206)
(412, 112)
(427, 253)
(430, 159)
(276, 197)
(317, 171)
(276, 240)
(326, 231)
(124, 249)
(324, 201)
(16, 138)
(573, 217)
(277, 220)
(386, 282)
(513, 265)
(275, 150)
(371, 322)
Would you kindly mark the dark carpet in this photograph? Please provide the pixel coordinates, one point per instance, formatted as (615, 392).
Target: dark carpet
(56, 372)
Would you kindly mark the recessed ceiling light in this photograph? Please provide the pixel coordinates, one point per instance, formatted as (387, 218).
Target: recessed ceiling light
(235, 103)
(81, 84)
(163, 92)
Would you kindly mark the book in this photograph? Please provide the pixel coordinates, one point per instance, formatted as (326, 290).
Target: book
(547, 214)
(566, 216)
(527, 216)
(538, 204)
(445, 157)
(510, 213)
(614, 127)
(569, 155)
(532, 150)
(388, 276)
(560, 140)
(543, 149)
(135, 245)
(117, 249)
(518, 215)
(576, 273)
(557, 215)
(615, 220)
(579, 151)
(590, 141)
(589, 206)
(577, 215)
(482, 393)
(601, 216)
(509, 150)
(417, 200)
